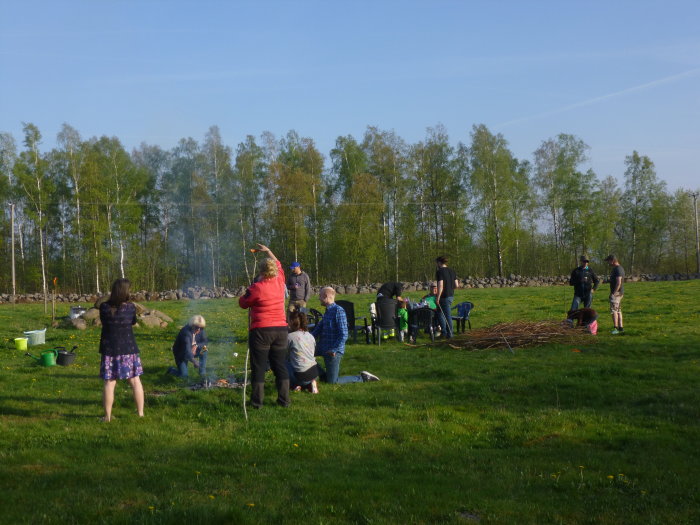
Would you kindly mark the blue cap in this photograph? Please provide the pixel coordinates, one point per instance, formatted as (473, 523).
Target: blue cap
(295, 265)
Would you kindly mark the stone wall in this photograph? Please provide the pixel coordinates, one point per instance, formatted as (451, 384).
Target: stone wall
(200, 293)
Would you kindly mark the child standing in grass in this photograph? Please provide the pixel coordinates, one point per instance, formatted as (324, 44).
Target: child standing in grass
(301, 363)
(120, 355)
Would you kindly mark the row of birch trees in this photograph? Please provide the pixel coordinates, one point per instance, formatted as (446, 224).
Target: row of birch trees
(376, 208)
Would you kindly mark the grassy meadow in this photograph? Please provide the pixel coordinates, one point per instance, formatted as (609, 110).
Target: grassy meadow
(602, 433)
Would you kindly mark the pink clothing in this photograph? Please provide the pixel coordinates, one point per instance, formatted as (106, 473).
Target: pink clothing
(593, 327)
(266, 301)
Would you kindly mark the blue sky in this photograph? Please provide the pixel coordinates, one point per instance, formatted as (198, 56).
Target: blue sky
(620, 75)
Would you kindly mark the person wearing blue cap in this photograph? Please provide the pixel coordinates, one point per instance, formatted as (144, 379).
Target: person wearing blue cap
(299, 287)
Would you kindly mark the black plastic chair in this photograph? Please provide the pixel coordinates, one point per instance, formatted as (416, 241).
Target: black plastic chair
(462, 317)
(384, 319)
(349, 308)
(421, 319)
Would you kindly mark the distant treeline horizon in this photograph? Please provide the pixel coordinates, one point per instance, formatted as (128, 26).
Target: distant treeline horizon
(376, 209)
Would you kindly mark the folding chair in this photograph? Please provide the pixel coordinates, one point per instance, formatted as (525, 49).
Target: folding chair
(462, 317)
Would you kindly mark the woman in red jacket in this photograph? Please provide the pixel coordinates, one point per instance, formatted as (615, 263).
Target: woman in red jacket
(267, 334)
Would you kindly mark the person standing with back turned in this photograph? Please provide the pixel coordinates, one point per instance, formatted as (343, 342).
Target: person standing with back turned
(267, 336)
(120, 355)
(446, 282)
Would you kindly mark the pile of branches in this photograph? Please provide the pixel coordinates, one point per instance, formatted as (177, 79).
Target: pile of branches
(520, 334)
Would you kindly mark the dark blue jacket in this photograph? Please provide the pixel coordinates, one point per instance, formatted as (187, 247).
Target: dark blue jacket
(182, 348)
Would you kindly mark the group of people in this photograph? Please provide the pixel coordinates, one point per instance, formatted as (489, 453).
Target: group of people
(439, 299)
(270, 340)
(585, 283)
(280, 340)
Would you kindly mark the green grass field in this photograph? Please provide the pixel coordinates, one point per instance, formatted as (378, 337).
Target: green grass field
(608, 434)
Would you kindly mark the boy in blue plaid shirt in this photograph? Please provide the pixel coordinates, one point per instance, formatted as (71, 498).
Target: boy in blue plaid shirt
(331, 333)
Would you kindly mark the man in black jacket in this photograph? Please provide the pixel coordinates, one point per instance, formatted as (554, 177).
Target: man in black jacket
(585, 282)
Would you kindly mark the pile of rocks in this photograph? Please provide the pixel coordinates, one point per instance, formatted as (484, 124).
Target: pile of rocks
(91, 317)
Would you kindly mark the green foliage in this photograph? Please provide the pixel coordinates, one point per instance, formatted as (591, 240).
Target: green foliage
(88, 211)
(605, 434)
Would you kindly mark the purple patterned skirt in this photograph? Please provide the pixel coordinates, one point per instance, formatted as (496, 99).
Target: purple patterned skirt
(120, 366)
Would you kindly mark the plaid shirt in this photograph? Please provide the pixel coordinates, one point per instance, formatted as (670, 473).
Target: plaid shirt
(332, 331)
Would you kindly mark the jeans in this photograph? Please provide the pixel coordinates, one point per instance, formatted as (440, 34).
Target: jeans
(445, 316)
(587, 299)
(182, 366)
(333, 369)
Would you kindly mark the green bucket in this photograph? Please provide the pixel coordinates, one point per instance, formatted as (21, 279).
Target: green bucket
(21, 343)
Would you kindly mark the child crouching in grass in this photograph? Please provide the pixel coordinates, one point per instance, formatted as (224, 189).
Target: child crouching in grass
(585, 317)
(301, 363)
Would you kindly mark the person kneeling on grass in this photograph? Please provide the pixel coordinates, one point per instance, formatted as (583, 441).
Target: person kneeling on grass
(331, 333)
(190, 343)
(301, 364)
(585, 317)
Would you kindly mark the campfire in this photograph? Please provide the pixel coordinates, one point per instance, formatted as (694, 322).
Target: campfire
(230, 382)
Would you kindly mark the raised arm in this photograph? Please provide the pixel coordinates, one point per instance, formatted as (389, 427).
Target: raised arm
(265, 249)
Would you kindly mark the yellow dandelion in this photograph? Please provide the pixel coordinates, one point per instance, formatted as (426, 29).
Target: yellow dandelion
(611, 476)
(296, 445)
(211, 496)
(251, 504)
(581, 466)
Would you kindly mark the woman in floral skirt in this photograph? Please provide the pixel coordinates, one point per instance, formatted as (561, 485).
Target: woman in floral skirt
(120, 355)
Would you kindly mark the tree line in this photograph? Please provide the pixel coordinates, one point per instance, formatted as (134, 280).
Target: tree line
(378, 208)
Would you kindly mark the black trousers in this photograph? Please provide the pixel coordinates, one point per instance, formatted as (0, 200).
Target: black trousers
(269, 344)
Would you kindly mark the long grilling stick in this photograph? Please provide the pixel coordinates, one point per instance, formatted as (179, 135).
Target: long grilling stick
(247, 354)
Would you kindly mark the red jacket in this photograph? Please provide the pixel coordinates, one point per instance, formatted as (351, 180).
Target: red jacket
(266, 301)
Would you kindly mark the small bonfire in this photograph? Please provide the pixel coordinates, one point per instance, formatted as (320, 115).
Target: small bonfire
(520, 334)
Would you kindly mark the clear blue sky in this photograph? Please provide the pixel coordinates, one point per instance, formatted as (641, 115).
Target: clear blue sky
(621, 75)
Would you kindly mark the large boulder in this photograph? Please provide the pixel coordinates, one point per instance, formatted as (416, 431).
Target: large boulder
(151, 321)
(79, 323)
(161, 315)
(91, 314)
(100, 300)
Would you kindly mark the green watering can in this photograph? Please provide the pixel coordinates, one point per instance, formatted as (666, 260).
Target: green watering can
(48, 357)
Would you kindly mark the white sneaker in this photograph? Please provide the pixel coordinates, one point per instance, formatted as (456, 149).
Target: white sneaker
(366, 376)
